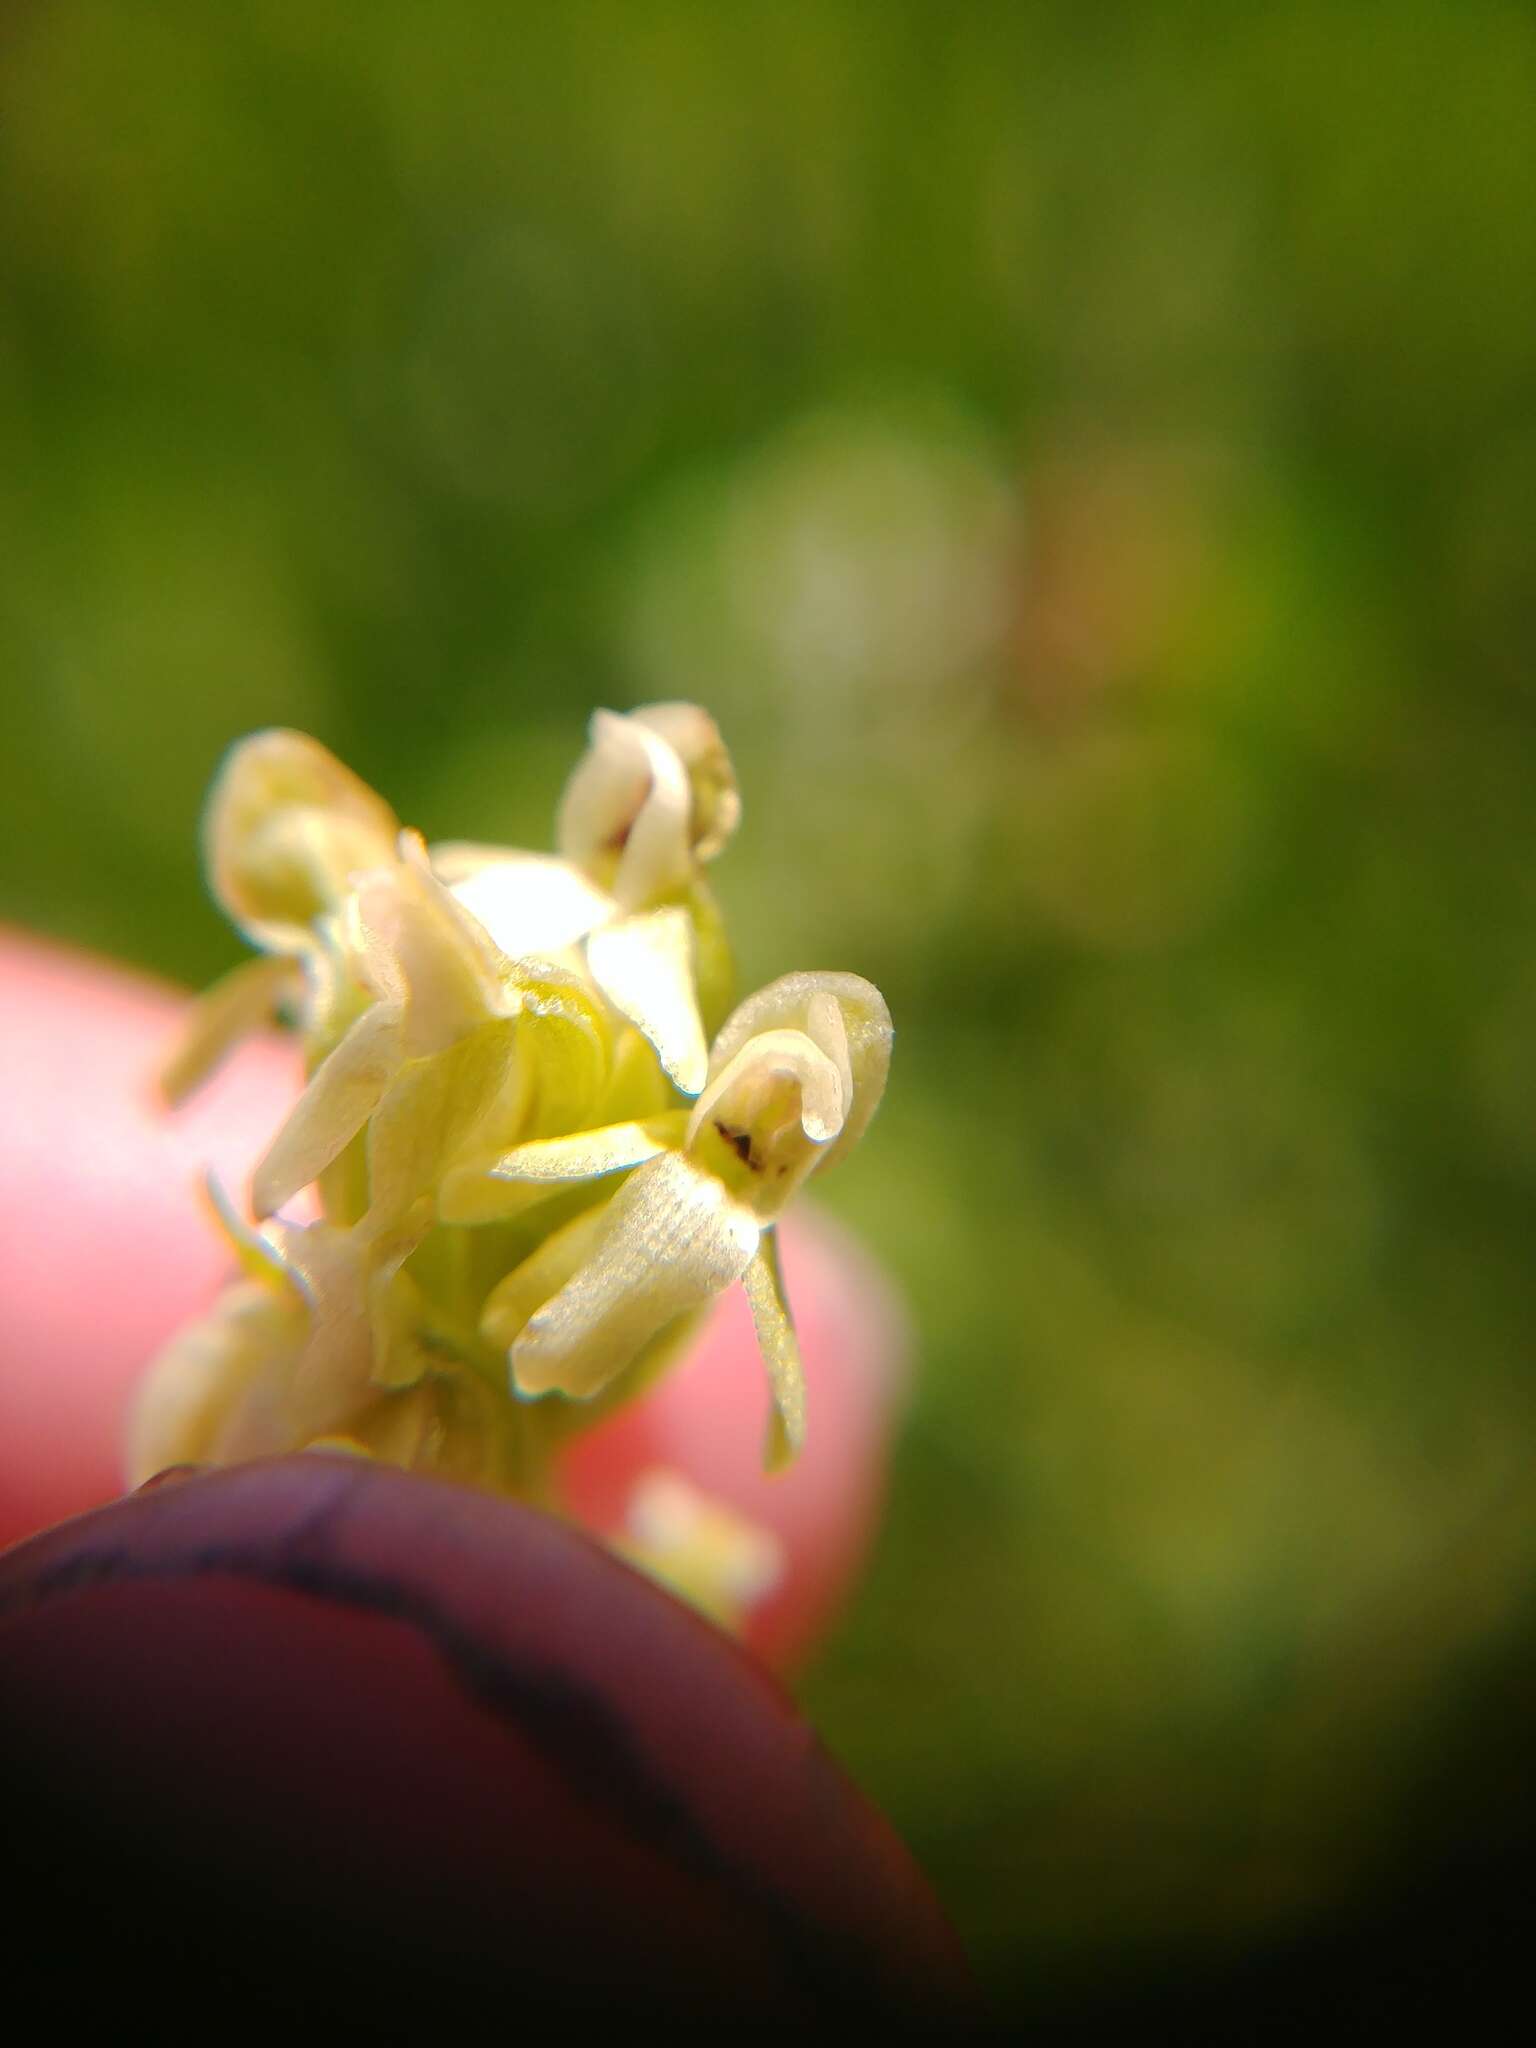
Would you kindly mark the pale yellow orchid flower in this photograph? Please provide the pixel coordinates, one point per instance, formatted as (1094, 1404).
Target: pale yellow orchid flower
(795, 1075)
(534, 1171)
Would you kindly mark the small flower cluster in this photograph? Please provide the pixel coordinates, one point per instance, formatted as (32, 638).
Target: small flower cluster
(539, 1144)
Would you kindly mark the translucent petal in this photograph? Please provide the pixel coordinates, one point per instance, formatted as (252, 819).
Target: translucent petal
(542, 1274)
(567, 1042)
(336, 991)
(605, 791)
(824, 1025)
(626, 811)
(285, 828)
(636, 1087)
(645, 967)
(695, 738)
(365, 942)
(658, 853)
(185, 1402)
(458, 860)
(256, 1255)
(419, 942)
(333, 1372)
(327, 1338)
(398, 1318)
(764, 1283)
(789, 1003)
(444, 1424)
(672, 1238)
(432, 1110)
(742, 1091)
(343, 1093)
(319, 1276)
(510, 1181)
(714, 963)
(240, 1003)
(529, 903)
(398, 1429)
(584, 1154)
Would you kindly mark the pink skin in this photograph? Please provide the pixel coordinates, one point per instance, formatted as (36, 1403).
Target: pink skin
(106, 1249)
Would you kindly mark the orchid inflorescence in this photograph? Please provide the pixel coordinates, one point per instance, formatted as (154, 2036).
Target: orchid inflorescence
(539, 1145)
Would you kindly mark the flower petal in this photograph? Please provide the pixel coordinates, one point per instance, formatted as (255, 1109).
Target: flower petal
(636, 1087)
(331, 1268)
(530, 903)
(420, 945)
(625, 815)
(516, 1297)
(502, 1185)
(645, 967)
(185, 1401)
(286, 827)
(714, 962)
(826, 1028)
(763, 1125)
(434, 1108)
(566, 1040)
(673, 1237)
(793, 1054)
(764, 1284)
(658, 851)
(239, 1004)
(343, 1093)
(791, 1002)
(695, 738)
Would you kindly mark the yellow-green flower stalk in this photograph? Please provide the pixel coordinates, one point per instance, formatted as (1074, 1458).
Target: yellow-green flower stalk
(538, 1143)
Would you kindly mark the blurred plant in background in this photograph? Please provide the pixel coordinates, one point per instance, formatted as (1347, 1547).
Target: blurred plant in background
(1086, 465)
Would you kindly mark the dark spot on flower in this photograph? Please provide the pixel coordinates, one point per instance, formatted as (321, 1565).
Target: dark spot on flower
(740, 1143)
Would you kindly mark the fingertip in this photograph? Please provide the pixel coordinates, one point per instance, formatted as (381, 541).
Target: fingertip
(105, 1248)
(320, 1736)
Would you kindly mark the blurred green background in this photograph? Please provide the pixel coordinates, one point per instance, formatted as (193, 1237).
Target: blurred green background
(1086, 458)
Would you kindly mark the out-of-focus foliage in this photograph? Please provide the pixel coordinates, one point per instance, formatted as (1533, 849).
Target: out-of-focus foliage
(1085, 459)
